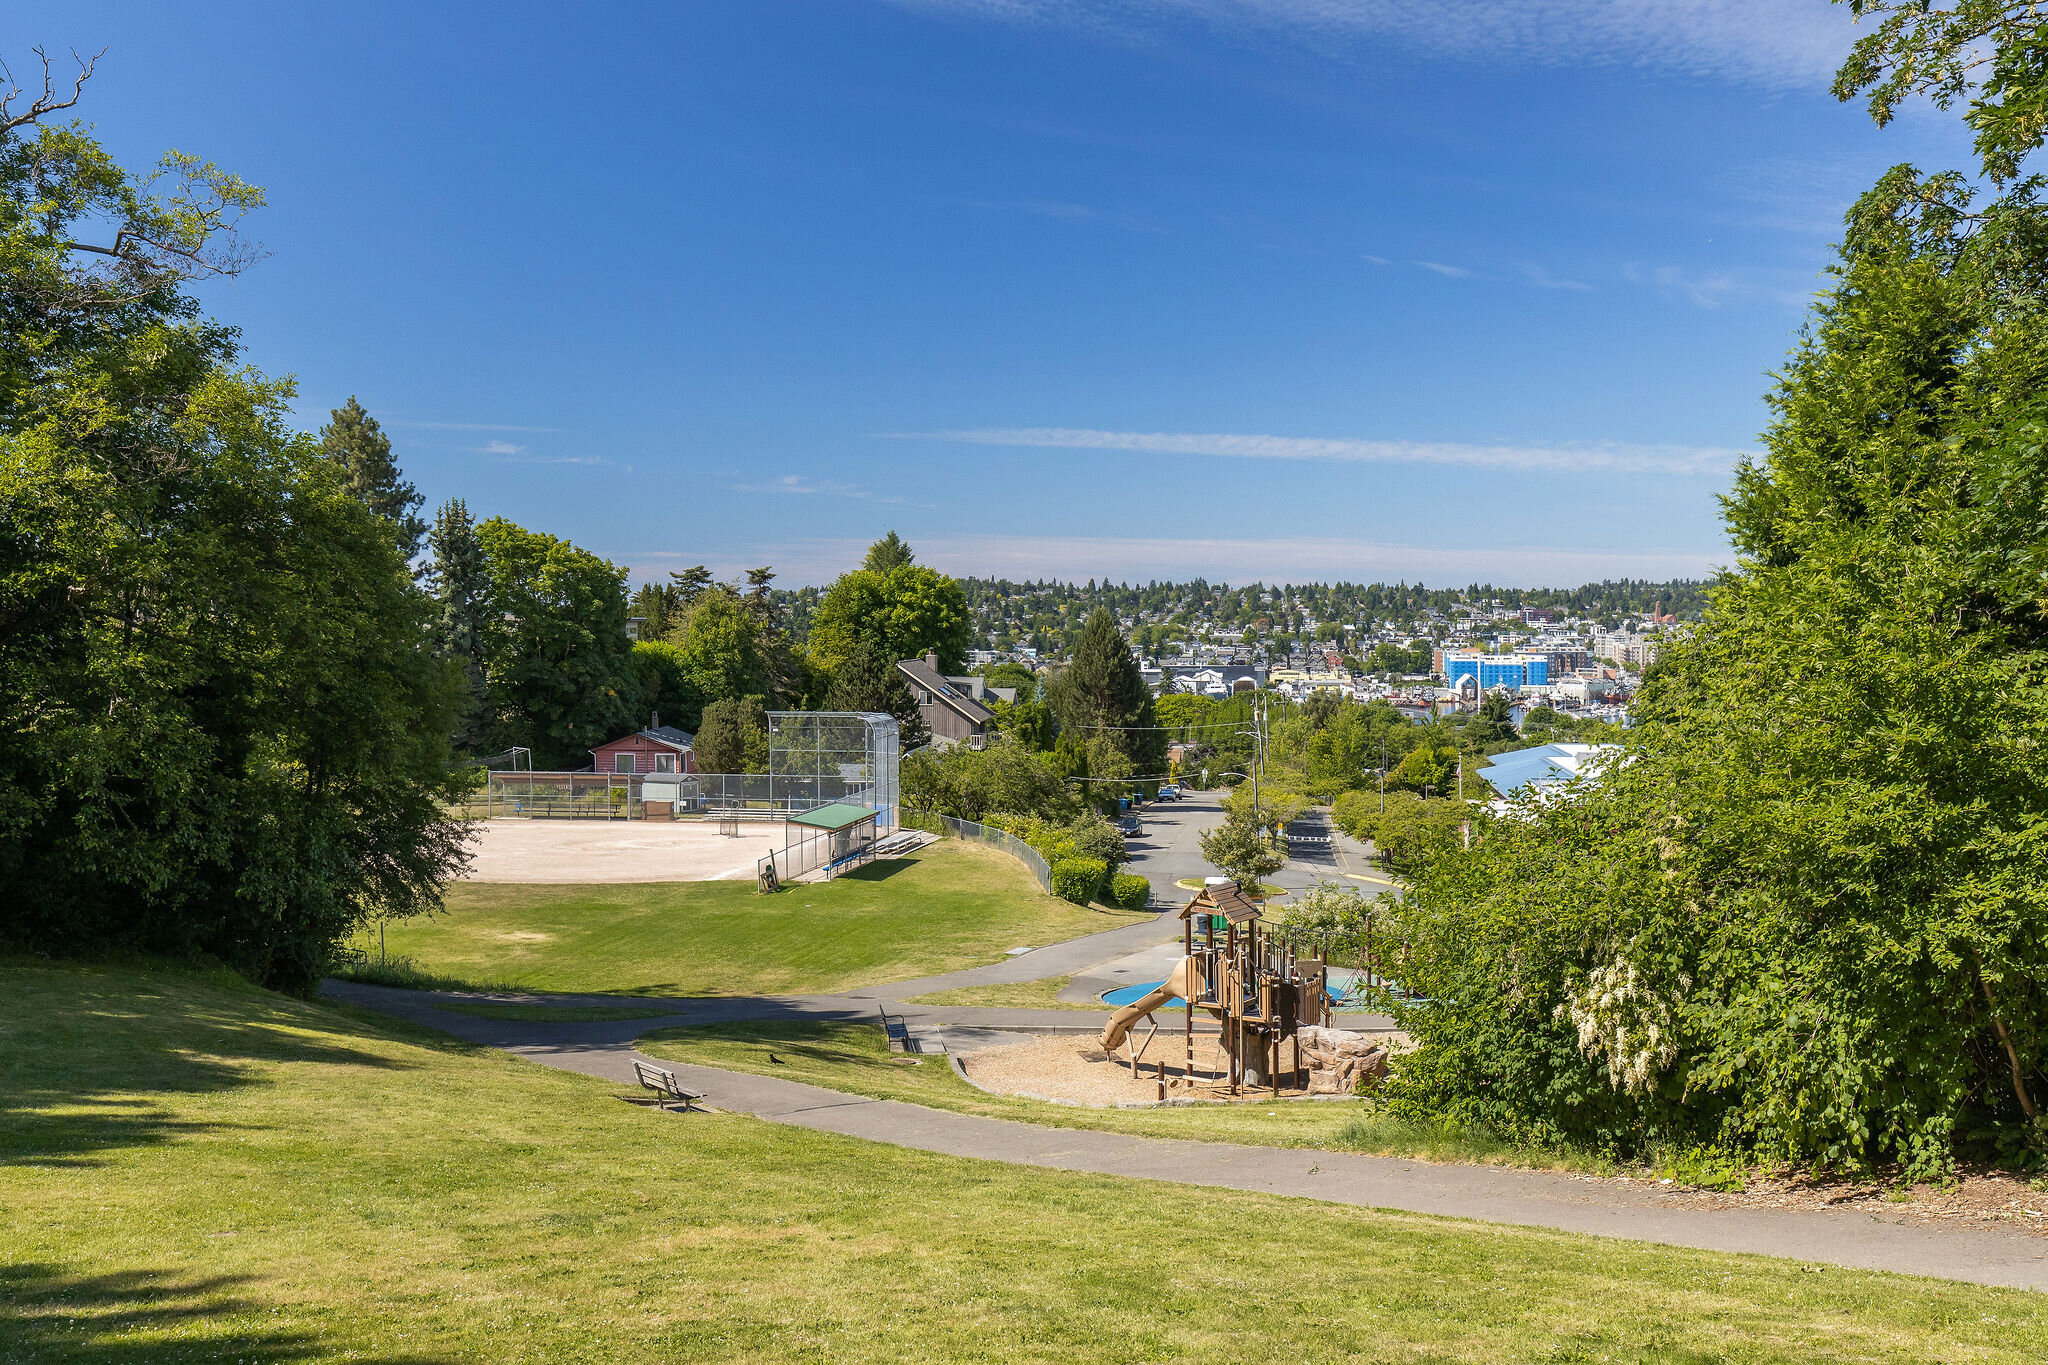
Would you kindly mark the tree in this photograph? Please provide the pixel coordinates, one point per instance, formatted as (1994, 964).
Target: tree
(1101, 693)
(870, 681)
(733, 737)
(887, 555)
(657, 605)
(720, 645)
(559, 663)
(1493, 724)
(1242, 850)
(665, 683)
(1183, 714)
(1826, 942)
(461, 583)
(910, 611)
(1002, 779)
(222, 731)
(353, 440)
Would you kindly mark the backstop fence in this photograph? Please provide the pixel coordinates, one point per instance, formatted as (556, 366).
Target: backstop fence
(815, 758)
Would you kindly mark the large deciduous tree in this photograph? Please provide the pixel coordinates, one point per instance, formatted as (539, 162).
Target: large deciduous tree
(222, 728)
(908, 609)
(1808, 916)
(560, 664)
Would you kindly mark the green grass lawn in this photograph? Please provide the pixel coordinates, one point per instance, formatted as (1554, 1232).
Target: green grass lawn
(193, 1170)
(951, 905)
(1030, 995)
(855, 1058)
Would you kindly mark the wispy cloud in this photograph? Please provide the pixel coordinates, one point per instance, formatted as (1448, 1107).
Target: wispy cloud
(1062, 212)
(1455, 272)
(1286, 560)
(503, 448)
(1608, 457)
(465, 426)
(1702, 288)
(1543, 279)
(807, 487)
(1776, 44)
(1375, 260)
(594, 460)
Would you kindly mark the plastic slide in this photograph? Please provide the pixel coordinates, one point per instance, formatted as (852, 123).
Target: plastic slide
(1179, 983)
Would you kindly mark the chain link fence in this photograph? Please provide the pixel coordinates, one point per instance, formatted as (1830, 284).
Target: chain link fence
(994, 838)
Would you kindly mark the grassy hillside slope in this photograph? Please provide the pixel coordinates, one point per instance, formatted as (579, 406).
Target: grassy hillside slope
(194, 1170)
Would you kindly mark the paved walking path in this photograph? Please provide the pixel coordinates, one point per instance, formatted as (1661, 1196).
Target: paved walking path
(1858, 1238)
(1593, 1205)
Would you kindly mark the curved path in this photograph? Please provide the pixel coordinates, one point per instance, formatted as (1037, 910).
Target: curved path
(1857, 1238)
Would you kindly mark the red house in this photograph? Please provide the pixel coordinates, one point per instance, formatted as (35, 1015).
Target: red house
(662, 749)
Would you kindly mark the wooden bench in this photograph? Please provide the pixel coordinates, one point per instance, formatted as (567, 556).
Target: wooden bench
(664, 1085)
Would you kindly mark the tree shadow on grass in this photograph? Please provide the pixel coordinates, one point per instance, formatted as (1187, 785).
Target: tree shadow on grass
(90, 1062)
(49, 1314)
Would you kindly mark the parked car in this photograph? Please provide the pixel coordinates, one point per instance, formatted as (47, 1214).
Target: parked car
(1169, 792)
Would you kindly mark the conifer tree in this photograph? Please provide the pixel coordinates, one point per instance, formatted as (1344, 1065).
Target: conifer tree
(870, 681)
(462, 587)
(1102, 694)
(890, 552)
(354, 441)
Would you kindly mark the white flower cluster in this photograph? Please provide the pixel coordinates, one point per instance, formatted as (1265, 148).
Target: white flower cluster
(1622, 1020)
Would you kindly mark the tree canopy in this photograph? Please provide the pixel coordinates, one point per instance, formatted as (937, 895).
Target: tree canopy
(223, 730)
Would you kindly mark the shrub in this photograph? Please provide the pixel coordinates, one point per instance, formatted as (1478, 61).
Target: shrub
(1079, 879)
(1130, 891)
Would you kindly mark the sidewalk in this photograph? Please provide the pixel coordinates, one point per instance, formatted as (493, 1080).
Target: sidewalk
(1577, 1204)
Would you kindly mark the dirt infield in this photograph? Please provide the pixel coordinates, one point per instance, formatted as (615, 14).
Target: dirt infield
(617, 850)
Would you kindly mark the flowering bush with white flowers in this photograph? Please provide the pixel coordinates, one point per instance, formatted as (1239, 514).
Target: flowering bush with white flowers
(1623, 1023)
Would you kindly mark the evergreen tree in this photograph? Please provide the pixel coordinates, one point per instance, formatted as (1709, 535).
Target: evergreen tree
(461, 583)
(733, 737)
(688, 585)
(353, 440)
(870, 681)
(890, 552)
(1102, 695)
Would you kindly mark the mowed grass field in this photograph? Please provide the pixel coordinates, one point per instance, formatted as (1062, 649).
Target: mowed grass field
(855, 1058)
(193, 1170)
(951, 905)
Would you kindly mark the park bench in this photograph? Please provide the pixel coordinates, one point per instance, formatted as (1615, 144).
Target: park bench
(664, 1085)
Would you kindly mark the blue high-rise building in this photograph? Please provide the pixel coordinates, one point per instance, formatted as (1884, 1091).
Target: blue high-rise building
(1498, 670)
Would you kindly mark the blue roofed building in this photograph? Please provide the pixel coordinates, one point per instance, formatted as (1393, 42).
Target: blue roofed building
(1522, 771)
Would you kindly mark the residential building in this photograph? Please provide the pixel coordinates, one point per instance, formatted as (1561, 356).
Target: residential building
(657, 749)
(947, 705)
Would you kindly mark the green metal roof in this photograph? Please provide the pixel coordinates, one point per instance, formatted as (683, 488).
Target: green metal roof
(838, 815)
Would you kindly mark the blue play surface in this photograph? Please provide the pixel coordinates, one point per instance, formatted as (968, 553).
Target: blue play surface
(1344, 986)
(1124, 995)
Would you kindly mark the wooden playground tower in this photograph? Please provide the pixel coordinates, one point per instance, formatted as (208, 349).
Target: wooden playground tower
(1256, 987)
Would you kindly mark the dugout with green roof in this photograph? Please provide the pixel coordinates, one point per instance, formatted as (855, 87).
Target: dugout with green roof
(835, 817)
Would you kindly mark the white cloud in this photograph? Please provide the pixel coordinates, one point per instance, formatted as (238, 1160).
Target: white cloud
(593, 460)
(1061, 212)
(1543, 279)
(467, 426)
(1610, 457)
(1376, 260)
(806, 487)
(1776, 44)
(503, 448)
(1294, 559)
(1455, 272)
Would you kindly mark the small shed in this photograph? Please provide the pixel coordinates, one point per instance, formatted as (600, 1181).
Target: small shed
(849, 828)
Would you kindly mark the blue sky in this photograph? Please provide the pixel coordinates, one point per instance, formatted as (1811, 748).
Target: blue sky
(1300, 289)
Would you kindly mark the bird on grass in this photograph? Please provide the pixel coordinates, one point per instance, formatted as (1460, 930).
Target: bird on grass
(777, 1060)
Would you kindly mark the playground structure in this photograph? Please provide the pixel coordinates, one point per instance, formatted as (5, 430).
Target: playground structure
(1260, 993)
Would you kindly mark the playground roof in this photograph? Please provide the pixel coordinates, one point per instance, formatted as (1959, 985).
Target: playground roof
(837, 816)
(1222, 899)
